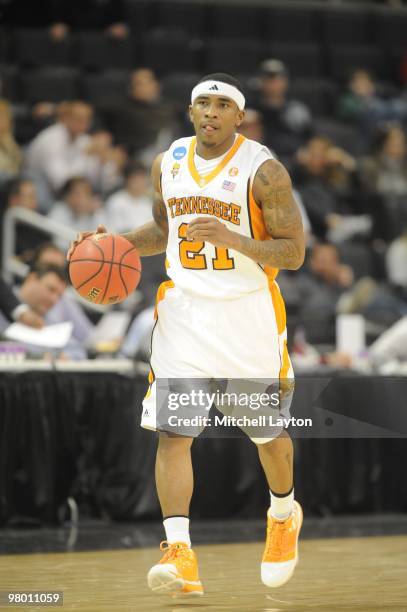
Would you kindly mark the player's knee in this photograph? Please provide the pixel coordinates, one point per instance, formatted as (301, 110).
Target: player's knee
(172, 445)
(277, 446)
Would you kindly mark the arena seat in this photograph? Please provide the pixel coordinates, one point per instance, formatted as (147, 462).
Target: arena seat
(390, 28)
(10, 82)
(179, 15)
(358, 256)
(50, 84)
(236, 21)
(140, 15)
(36, 48)
(232, 55)
(343, 59)
(342, 134)
(166, 52)
(345, 26)
(303, 60)
(177, 87)
(320, 95)
(4, 45)
(96, 50)
(294, 24)
(96, 87)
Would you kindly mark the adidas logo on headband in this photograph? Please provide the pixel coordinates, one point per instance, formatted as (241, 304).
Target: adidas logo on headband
(222, 89)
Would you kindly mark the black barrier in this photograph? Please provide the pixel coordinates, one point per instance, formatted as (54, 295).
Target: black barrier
(78, 434)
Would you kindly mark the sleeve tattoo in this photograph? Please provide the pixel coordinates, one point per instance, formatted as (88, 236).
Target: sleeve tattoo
(151, 238)
(272, 190)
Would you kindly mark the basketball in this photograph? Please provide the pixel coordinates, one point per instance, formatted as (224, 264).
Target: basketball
(105, 268)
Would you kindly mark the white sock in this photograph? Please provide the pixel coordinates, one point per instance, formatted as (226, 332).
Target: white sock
(281, 507)
(177, 529)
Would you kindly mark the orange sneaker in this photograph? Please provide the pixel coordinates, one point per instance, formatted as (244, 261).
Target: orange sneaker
(281, 552)
(177, 572)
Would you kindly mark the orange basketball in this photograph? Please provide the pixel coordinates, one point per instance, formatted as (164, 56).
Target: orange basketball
(105, 268)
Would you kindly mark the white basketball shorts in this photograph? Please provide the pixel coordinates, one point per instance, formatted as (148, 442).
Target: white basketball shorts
(196, 340)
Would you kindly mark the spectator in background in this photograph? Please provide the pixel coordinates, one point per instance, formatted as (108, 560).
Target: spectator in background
(130, 207)
(253, 125)
(319, 286)
(10, 154)
(396, 264)
(65, 149)
(67, 308)
(141, 121)
(253, 128)
(324, 176)
(41, 290)
(362, 105)
(48, 254)
(12, 309)
(79, 208)
(287, 122)
(23, 193)
(386, 171)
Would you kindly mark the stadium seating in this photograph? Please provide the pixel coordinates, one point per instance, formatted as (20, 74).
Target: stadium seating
(140, 15)
(343, 59)
(232, 55)
(390, 28)
(51, 84)
(345, 136)
(320, 95)
(10, 83)
(35, 48)
(177, 87)
(96, 87)
(236, 21)
(166, 52)
(358, 256)
(346, 26)
(178, 15)
(293, 24)
(304, 60)
(98, 51)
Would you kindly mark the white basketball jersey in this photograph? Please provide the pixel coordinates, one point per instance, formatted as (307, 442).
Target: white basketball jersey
(225, 193)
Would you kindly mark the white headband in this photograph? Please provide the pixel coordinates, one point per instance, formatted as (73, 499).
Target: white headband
(218, 88)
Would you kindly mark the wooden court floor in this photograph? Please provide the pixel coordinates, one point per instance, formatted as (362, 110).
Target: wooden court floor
(363, 574)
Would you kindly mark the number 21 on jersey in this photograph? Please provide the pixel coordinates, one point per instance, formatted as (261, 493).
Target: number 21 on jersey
(192, 258)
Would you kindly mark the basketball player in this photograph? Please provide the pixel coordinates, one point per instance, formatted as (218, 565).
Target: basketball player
(225, 215)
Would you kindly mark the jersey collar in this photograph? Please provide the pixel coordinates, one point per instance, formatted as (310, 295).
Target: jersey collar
(202, 181)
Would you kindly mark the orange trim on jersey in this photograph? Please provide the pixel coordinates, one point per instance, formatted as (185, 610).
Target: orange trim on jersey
(161, 294)
(278, 305)
(167, 263)
(259, 230)
(202, 181)
(285, 362)
(151, 379)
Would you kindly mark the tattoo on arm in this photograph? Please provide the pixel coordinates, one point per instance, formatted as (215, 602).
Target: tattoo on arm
(272, 191)
(151, 238)
(280, 253)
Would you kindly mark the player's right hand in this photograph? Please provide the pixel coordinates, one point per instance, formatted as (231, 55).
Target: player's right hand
(99, 230)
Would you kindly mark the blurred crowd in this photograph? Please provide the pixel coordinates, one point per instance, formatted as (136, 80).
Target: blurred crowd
(82, 164)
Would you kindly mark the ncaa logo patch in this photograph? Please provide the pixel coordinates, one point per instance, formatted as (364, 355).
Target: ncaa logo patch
(179, 153)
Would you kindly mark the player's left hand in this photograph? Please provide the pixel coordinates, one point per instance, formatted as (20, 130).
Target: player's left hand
(210, 230)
